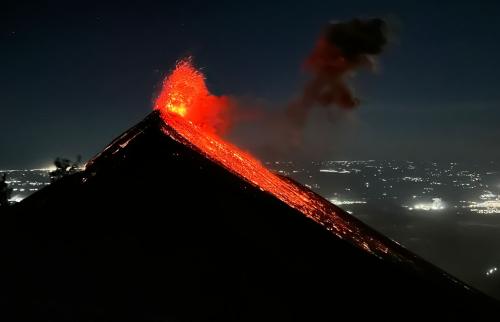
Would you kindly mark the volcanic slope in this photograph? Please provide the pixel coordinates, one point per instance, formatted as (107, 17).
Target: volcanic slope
(166, 225)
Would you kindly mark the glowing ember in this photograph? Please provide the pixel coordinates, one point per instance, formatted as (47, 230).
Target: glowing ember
(185, 93)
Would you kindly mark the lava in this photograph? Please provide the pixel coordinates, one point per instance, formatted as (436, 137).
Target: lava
(186, 104)
(251, 170)
(185, 93)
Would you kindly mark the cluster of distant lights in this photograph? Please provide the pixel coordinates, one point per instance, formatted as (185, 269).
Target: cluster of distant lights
(491, 271)
(485, 207)
(412, 179)
(22, 188)
(488, 207)
(339, 202)
(488, 203)
(437, 204)
(16, 198)
(335, 171)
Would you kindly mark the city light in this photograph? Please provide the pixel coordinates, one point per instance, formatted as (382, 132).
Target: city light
(491, 271)
(334, 171)
(346, 202)
(487, 207)
(436, 204)
(16, 198)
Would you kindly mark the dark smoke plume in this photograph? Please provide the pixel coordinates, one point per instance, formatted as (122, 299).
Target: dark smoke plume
(341, 49)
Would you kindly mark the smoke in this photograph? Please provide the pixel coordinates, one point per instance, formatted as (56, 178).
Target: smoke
(300, 130)
(342, 49)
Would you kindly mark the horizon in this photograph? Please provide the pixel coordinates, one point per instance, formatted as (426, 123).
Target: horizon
(52, 167)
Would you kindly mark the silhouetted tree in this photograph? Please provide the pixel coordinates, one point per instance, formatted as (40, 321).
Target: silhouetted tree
(5, 191)
(65, 167)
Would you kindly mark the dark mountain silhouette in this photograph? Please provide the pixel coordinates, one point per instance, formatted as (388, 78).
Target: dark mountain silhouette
(154, 230)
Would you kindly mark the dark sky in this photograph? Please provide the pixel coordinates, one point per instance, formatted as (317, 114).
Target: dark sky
(74, 76)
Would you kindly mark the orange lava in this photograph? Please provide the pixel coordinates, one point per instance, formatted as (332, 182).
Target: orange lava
(251, 170)
(185, 93)
(176, 109)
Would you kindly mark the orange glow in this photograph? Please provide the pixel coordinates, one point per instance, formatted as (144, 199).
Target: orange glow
(185, 93)
(252, 171)
(176, 105)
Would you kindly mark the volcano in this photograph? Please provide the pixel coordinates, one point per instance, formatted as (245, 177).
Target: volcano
(169, 223)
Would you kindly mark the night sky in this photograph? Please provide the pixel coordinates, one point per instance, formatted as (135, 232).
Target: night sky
(74, 76)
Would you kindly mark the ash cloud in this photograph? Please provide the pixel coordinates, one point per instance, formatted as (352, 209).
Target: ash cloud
(341, 49)
(301, 129)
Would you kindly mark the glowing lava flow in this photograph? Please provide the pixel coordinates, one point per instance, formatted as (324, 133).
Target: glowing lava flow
(176, 106)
